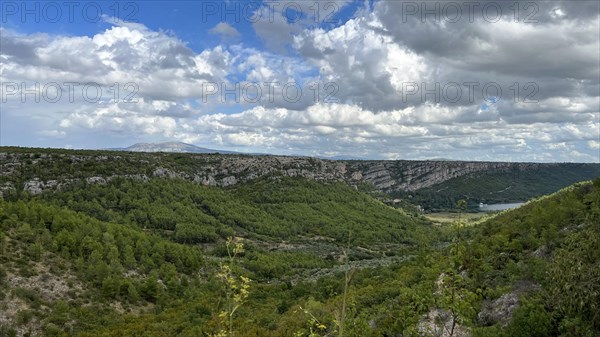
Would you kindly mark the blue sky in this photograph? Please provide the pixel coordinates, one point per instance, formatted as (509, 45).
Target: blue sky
(190, 21)
(369, 79)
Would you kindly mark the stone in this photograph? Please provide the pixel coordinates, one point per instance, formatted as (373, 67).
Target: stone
(499, 310)
(34, 186)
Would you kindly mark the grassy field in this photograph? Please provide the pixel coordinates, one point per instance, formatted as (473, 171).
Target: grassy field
(446, 218)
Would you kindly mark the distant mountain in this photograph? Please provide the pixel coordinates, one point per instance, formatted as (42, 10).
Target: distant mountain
(176, 147)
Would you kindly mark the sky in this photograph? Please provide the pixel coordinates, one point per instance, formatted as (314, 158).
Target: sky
(465, 80)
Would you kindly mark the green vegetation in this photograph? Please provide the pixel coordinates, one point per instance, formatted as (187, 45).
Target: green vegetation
(290, 257)
(552, 244)
(264, 210)
(500, 187)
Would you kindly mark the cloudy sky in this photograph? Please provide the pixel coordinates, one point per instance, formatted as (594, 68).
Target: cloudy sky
(480, 80)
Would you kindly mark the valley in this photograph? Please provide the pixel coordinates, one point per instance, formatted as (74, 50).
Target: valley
(99, 243)
(340, 168)
(434, 185)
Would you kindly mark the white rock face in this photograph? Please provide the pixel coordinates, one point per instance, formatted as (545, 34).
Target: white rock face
(96, 180)
(209, 181)
(164, 173)
(228, 181)
(34, 186)
(414, 175)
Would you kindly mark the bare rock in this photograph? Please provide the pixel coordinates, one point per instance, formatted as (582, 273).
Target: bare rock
(163, 173)
(356, 176)
(96, 180)
(34, 186)
(542, 252)
(209, 181)
(499, 310)
(439, 322)
(228, 181)
(51, 184)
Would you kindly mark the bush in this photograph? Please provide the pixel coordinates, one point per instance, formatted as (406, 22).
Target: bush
(531, 320)
(28, 295)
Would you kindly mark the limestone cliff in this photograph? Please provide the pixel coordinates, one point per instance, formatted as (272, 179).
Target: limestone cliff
(34, 170)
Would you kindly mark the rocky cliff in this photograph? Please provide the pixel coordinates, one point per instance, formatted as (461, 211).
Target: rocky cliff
(36, 170)
(415, 175)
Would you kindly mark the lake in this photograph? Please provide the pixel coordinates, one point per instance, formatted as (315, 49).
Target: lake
(499, 207)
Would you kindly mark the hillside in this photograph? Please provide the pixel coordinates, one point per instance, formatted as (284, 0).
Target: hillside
(137, 246)
(300, 169)
(547, 253)
(513, 185)
(432, 184)
(113, 249)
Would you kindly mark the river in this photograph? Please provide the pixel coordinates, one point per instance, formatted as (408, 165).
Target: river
(499, 207)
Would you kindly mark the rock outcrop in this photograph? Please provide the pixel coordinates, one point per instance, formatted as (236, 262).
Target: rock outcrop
(499, 310)
(34, 186)
(232, 169)
(414, 175)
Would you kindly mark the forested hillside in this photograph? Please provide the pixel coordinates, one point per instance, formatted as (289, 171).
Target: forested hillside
(286, 256)
(500, 187)
(433, 185)
(145, 246)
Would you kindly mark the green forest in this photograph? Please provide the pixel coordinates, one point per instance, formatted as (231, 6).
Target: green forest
(499, 187)
(283, 256)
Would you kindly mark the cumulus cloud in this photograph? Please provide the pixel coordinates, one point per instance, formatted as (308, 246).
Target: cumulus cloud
(388, 85)
(280, 21)
(334, 129)
(559, 58)
(161, 66)
(369, 68)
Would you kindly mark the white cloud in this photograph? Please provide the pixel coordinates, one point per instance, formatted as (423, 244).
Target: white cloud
(370, 58)
(369, 68)
(226, 30)
(162, 66)
(280, 21)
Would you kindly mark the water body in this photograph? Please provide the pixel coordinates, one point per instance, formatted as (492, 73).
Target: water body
(499, 207)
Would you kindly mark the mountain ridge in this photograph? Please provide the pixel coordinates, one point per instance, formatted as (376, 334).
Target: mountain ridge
(172, 147)
(36, 173)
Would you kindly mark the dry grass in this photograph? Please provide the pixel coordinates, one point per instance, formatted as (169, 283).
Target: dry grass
(446, 218)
